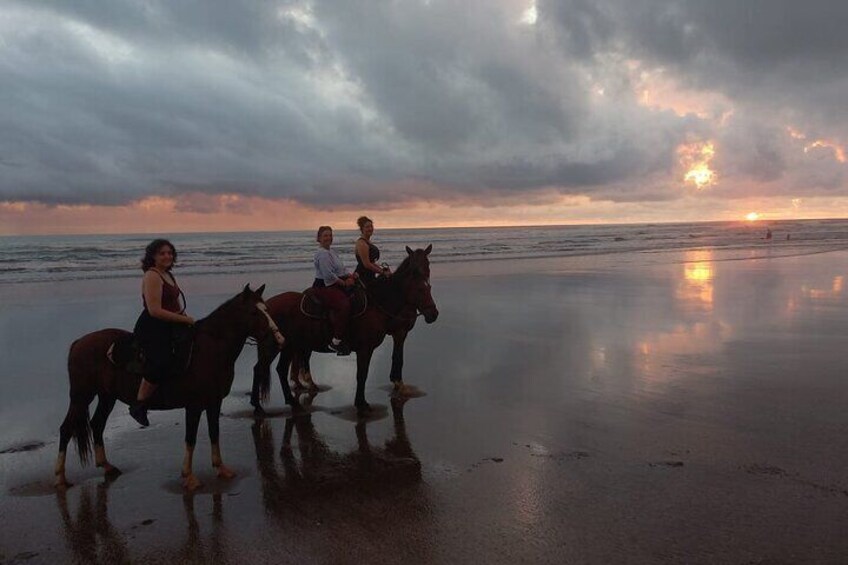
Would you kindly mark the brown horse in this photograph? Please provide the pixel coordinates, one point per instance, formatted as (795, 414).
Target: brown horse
(218, 342)
(393, 303)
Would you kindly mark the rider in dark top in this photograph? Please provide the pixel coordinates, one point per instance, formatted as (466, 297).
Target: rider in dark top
(163, 310)
(367, 254)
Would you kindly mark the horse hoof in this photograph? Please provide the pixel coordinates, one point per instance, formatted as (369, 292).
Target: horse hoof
(191, 483)
(224, 472)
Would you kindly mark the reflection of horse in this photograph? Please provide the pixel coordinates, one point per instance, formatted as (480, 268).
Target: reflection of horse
(393, 305)
(90, 532)
(319, 470)
(92, 538)
(218, 342)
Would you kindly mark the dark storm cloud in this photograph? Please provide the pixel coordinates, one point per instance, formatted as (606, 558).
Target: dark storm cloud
(353, 102)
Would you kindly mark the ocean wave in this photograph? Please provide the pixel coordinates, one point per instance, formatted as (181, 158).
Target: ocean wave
(52, 258)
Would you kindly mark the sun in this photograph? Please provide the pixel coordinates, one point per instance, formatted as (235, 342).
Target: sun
(752, 216)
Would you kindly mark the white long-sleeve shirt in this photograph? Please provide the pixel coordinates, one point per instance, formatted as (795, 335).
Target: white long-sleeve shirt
(329, 267)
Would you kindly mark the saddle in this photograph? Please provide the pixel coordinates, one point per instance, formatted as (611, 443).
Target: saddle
(126, 353)
(312, 306)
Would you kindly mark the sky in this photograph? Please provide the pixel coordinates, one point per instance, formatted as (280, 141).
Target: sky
(171, 116)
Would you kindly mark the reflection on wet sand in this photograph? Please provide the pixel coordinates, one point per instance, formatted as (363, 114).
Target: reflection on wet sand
(311, 469)
(91, 537)
(348, 495)
(89, 534)
(696, 287)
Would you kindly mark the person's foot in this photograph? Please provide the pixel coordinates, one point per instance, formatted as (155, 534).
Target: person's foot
(139, 413)
(340, 347)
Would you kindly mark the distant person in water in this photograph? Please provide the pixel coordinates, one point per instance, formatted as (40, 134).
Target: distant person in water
(164, 309)
(768, 233)
(367, 254)
(331, 281)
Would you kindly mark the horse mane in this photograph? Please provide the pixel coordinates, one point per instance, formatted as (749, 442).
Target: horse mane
(403, 267)
(216, 312)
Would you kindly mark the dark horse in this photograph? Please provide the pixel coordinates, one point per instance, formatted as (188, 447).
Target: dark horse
(393, 303)
(218, 342)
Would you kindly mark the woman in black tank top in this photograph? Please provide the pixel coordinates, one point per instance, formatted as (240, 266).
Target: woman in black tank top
(367, 254)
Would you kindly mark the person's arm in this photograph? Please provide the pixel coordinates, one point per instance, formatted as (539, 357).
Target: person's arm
(152, 290)
(362, 252)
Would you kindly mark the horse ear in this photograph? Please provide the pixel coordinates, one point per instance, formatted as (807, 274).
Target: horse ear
(259, 291)
(429, 249)
(245, 292)
(408, 250)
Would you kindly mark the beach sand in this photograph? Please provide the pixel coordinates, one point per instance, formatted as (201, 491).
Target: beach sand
(633, 408)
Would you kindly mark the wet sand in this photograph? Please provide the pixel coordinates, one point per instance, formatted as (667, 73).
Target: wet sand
(641, 408)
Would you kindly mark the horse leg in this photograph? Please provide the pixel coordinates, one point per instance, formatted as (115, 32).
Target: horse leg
(396, 375)
(282, 372)
(267, 351)
(213, 415)
(75, 425)
(305, 376)
(363, 362)
(190, 481)
(294, 371)
(98, 424)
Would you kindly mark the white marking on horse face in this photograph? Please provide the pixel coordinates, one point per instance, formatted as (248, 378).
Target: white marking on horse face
(274, 329)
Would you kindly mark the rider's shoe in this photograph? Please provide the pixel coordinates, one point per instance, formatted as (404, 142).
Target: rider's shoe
(139, 413)
(340, 347)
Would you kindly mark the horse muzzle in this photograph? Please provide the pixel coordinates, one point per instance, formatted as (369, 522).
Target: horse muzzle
(430, 314)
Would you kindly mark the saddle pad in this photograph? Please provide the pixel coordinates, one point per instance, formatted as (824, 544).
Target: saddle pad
(126, 353)
(311, 305)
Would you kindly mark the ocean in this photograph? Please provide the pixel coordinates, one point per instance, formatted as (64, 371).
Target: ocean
(26, 259)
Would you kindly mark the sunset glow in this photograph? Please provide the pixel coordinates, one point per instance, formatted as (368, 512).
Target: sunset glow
(838, 150)
(752, 217)
(695, 158)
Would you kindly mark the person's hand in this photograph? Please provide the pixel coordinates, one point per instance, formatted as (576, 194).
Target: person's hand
(349, 281)
(189, 320)
(355, 275)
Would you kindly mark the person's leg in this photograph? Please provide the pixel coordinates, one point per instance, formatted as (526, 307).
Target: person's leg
(157, 356)
(337, 302)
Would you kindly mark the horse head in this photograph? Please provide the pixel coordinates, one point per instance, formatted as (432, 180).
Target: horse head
(259, 323)
(416, 285)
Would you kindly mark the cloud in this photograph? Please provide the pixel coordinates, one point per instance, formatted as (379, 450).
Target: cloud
(353, 103)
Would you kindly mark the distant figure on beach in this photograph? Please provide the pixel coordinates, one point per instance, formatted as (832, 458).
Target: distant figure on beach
(367, 254)
(164, 310)
(788, 236)
(331, 281)
(768, 233)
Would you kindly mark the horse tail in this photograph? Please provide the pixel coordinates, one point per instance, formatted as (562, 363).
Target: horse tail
(262, 373)
(76, 424)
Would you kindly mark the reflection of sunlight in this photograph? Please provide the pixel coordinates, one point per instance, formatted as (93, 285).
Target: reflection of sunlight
(824, 293)
(653, 351)
(810, 295)
(696, 289)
